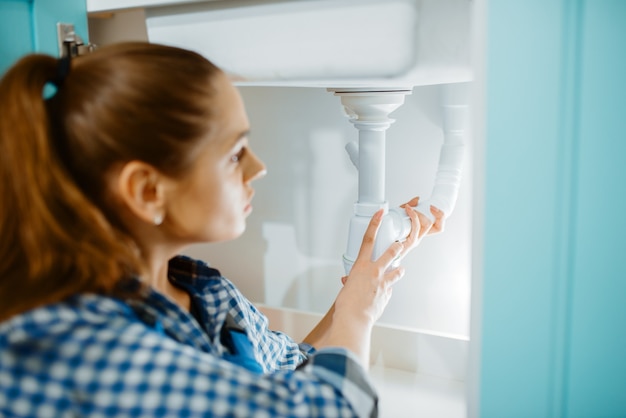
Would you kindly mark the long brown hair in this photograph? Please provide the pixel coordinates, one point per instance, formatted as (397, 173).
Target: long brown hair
(59, 231)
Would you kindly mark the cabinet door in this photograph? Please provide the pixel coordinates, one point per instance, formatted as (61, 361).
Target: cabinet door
(553, 333)
(30, 26)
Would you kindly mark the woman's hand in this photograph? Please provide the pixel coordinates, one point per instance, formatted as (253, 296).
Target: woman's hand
(427, 227)
(366, 292)
(367, 288)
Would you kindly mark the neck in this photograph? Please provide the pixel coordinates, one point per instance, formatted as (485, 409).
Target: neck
(157, 278)
(157, 275)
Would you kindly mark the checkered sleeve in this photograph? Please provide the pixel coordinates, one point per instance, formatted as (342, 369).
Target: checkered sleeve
(277, 350)
(274, 350)
(134, 370)
(340, 368)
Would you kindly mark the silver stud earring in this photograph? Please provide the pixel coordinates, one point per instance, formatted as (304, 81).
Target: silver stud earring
(158, 219)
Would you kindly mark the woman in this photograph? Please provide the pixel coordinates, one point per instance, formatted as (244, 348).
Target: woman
(140, 151)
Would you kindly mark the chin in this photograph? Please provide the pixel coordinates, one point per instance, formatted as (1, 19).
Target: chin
(235, 233)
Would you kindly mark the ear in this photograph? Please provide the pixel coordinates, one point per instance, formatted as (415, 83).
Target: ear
(141, 187)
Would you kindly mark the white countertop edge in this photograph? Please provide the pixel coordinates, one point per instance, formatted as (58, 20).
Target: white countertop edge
(431, 353)
(405, 394)
(425, 378)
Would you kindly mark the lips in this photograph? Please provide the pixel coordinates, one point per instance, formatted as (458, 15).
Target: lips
(248, 207)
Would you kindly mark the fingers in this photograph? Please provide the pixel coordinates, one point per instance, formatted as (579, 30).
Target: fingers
(413, 202)
(439, 220)
(369, 238)
(425, 224)
(411, 239)
(390, 278)
(390, 254)
(393, 276)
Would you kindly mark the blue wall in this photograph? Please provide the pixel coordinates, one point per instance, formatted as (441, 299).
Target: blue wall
(30, 25)
(553, 334)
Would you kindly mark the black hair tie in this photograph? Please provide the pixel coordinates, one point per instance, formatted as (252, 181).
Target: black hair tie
(63, 69)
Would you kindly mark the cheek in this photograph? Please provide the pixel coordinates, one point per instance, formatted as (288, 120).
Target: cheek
(216, 208)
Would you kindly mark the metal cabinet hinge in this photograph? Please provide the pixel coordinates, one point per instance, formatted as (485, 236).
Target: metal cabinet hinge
(70, 44)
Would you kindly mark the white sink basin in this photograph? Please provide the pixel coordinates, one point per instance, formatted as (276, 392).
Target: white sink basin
(322, 43)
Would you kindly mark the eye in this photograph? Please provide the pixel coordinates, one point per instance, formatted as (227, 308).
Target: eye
(237, 157)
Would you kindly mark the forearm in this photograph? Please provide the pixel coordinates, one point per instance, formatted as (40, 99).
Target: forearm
(339, 332)
(353, 335)
(363, 298)
(320, 330)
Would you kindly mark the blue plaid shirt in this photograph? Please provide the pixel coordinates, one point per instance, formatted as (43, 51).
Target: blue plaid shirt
(98, 356)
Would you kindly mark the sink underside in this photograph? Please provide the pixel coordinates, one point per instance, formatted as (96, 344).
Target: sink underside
(394, 44)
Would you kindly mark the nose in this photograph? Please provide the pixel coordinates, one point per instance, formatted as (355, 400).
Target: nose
(255, 169)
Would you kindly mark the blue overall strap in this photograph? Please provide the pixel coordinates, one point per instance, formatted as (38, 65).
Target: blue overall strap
(239, 346)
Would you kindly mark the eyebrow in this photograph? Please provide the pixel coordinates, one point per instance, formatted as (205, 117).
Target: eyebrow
(241, 136)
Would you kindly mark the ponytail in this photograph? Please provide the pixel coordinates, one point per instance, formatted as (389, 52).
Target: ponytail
(54, 241)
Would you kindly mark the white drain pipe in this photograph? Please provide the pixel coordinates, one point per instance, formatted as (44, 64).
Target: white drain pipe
(448, 179)
(369, 112)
